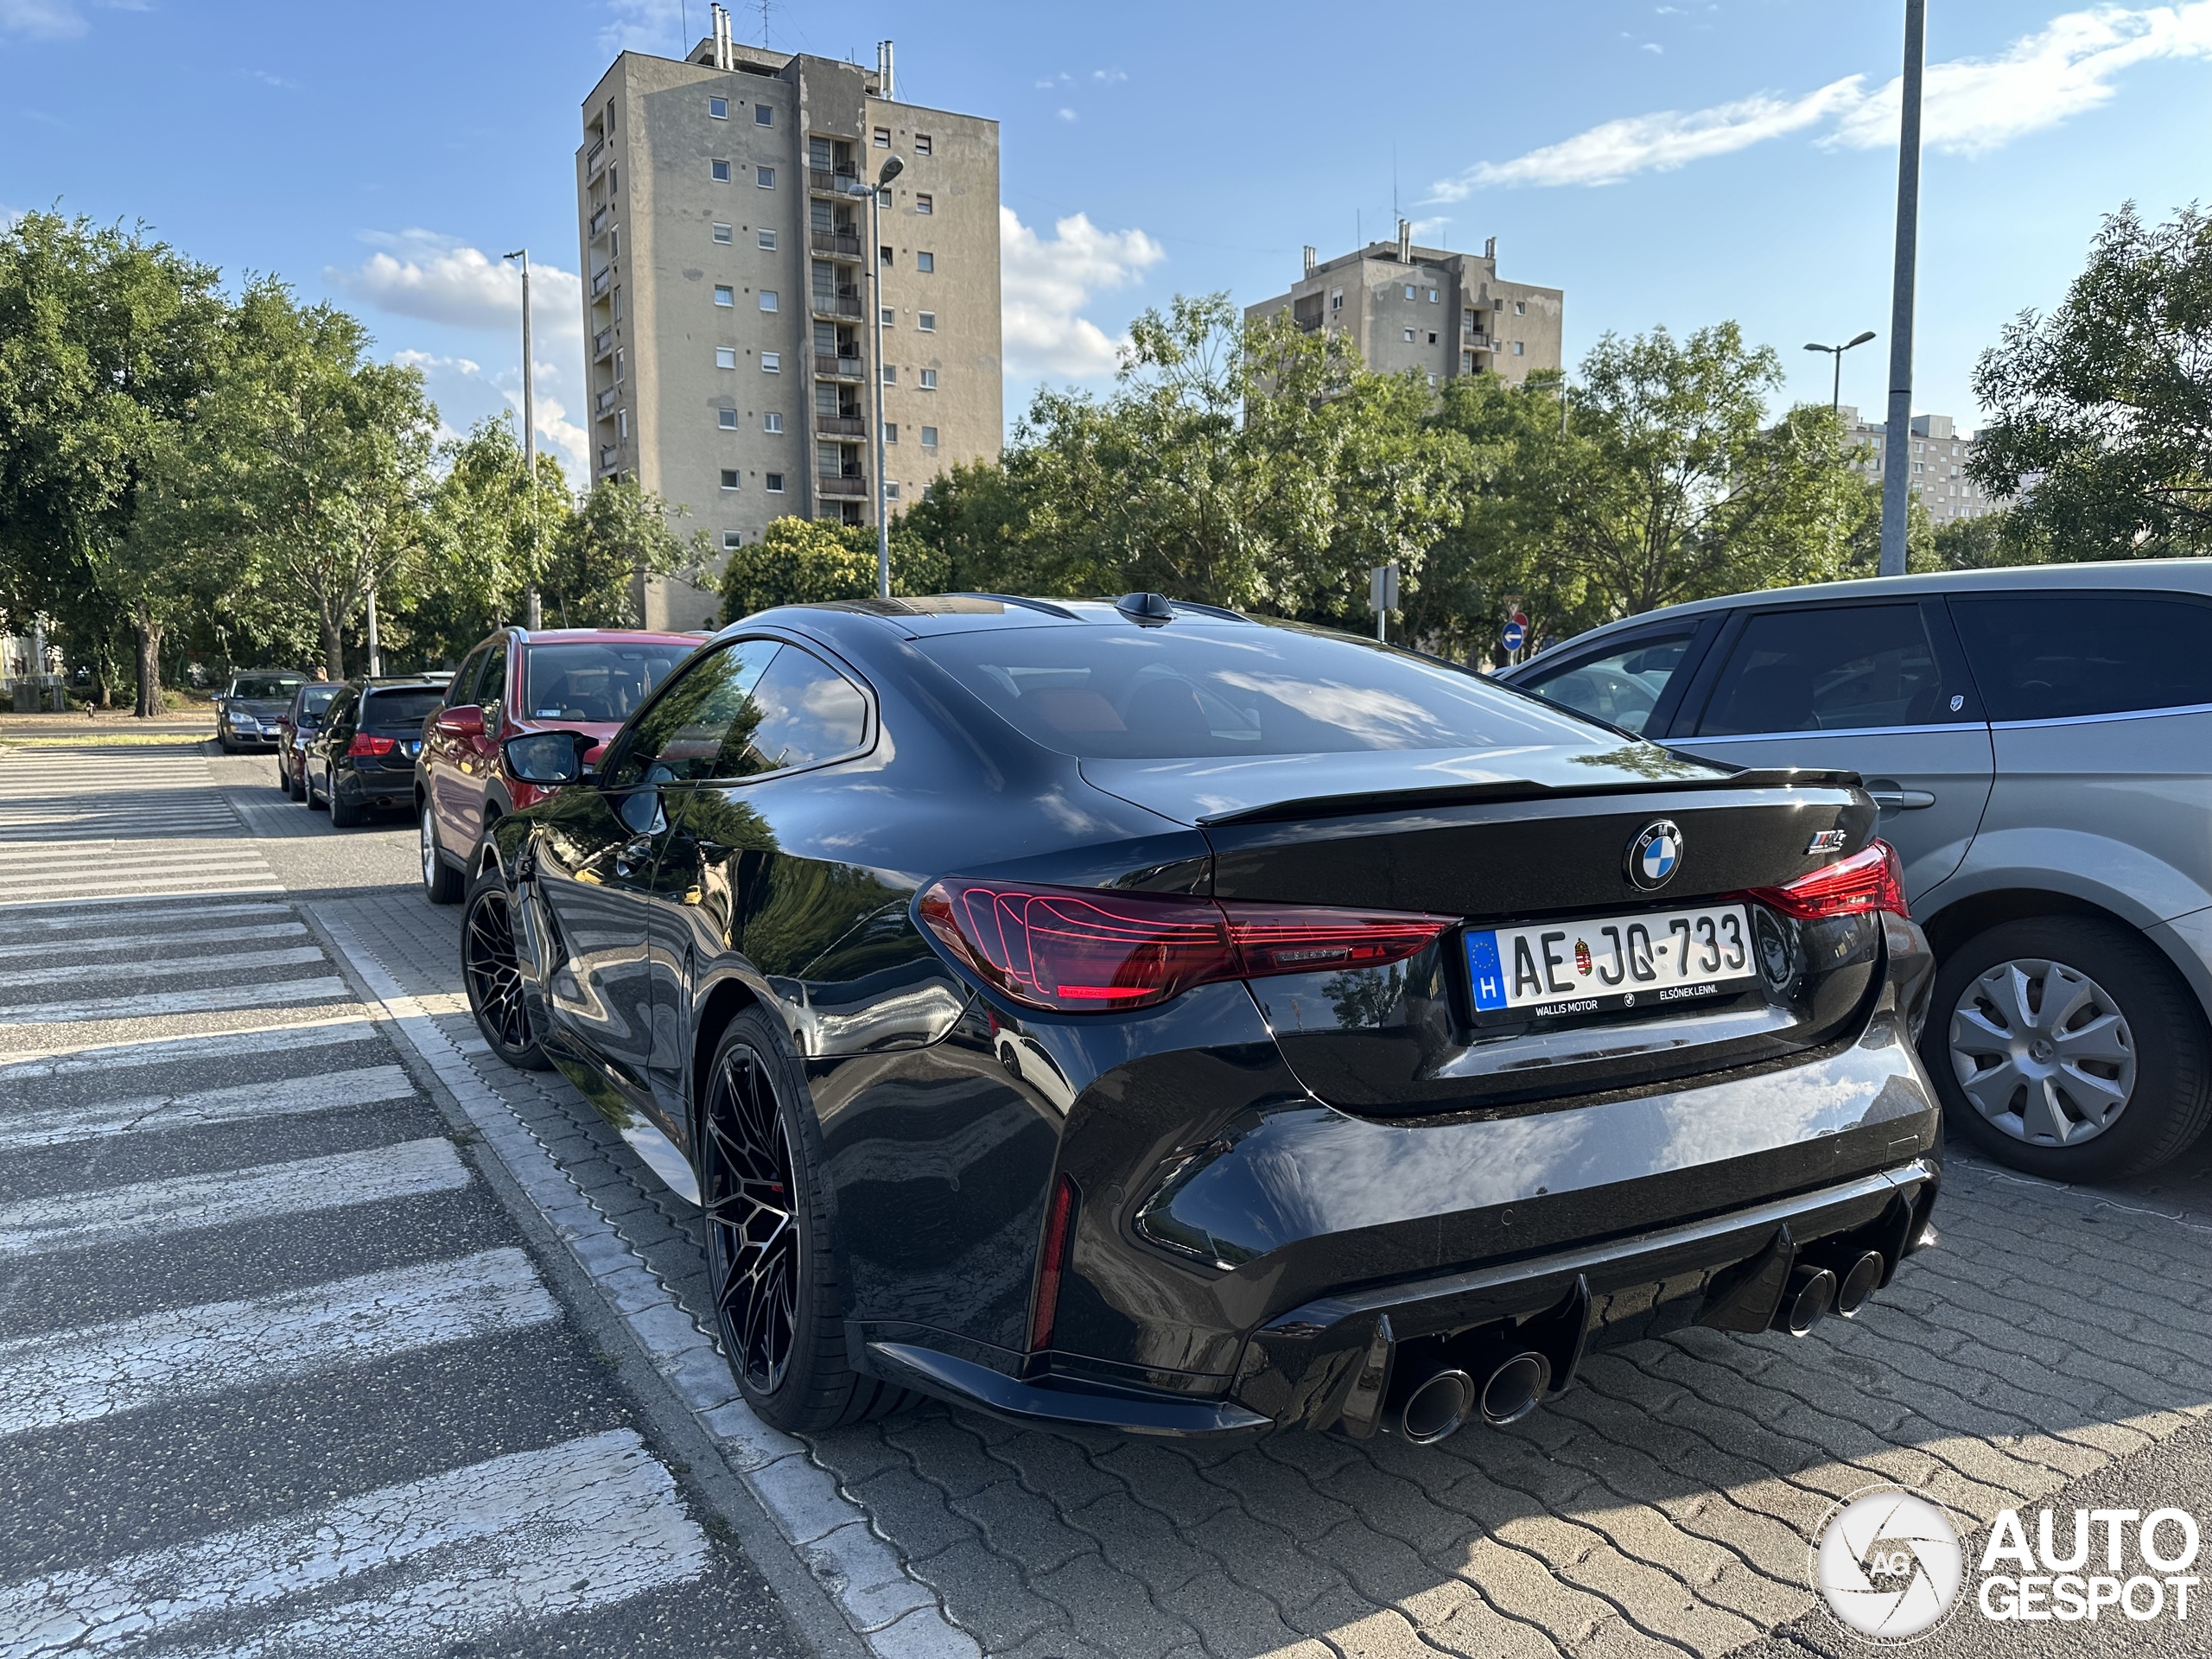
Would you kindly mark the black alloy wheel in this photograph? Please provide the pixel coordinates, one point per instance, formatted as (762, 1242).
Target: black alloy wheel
(771, 1244)
(493, 973)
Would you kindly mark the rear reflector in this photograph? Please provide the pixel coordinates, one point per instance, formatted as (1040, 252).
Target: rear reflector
(1870, 879)
(364, 744)
(1087, 949)
(1051, 1264)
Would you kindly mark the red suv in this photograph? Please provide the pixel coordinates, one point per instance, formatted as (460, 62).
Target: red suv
(569, 679)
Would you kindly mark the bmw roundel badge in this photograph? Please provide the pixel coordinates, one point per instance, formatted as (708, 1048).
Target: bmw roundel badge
(1654, 855)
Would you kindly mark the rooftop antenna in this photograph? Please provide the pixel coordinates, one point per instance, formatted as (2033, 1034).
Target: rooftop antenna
(764, 24)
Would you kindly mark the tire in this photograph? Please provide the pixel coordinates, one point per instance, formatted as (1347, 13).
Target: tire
(226, 745)
(313, 798)
(295, 783)
(492, 975)
(777, 1307)
(2112, 1078)
(344, 814)
(283, 780)
(441, 882)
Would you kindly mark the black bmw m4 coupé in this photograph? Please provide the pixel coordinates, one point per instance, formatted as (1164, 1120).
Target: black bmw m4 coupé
(1140, 1015)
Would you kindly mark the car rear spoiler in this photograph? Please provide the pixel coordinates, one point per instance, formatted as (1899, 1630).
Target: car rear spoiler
(1338, 806)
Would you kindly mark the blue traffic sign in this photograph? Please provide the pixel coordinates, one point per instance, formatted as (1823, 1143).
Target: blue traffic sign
(1514, 635)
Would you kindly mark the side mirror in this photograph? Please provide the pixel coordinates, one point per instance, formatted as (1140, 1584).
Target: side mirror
(466, 721)
(549, 758)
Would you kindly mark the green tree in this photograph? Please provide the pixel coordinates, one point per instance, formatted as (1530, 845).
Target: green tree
(595, 575)
(108, 341)
(2102, 421)
(806, 560)
(488, 533)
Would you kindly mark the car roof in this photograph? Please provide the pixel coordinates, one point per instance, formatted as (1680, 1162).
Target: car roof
(2184, 575)
(940, 614)
(623, 636)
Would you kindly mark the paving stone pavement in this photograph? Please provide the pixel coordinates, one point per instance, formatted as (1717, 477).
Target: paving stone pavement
(1663, 1505)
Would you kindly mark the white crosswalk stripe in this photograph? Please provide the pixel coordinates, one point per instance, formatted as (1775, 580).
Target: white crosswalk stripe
(75, 1061)
(77, 1221)
(107, 924)
(427, 1563)
(61, 1126)
(218, 963)
(98, 823)
(136, 940)
(183, 1353)
(157, 1004)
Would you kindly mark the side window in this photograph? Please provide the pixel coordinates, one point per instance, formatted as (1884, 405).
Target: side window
(463, 688)
(755, 706)
(492, 690)
(802, 711)
(1620, 687)
(1837, 668)
(2064, 656)
(678, 739)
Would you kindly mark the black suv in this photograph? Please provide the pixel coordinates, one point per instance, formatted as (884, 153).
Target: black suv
(364, 757)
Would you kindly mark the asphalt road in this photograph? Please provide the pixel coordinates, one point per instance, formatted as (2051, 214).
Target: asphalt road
(279, 1372)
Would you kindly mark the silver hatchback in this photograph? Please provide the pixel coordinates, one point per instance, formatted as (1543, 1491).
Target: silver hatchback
(2040, 743)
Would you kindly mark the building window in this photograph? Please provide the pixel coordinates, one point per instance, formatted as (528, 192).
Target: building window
(921, 143)
(720, 171)
(618, 365)
(891, 374)
(772, 482)
(771, 422)
(1517, 350)
(929, 437)
(622, 422)
(890, 316)
(718, 108)
(764, 115)
(1467, 362)
(1432, 336)
(883, 257)
(725, 357)
(926, 321)
(1409, 336)
(1431, 296)
(890, 431)
(883, 137)
(731, 539)
(765, 177)
(722, 235)
(1520, 308)
(925, 204)
(731, 478)
(925, 261)
(890, 491)
(929, 379)
(727, 419)
(771, 362)
(766, 238)
(725, 295)
(1409, 290)
(1336, 298)
(617, 305)
(767, 299)
(615, 242)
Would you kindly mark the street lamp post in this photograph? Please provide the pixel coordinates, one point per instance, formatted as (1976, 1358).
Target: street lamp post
(892, 167)
(529, 438)
(1897, 446)
(1835, 397)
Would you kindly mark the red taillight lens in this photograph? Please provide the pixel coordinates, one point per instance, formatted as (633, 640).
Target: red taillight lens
(1051, 1264)
(1868, 879)
(1088, 949)
(364, 744)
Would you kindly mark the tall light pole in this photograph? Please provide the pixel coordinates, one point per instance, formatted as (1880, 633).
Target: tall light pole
(892, 167)
(528, 437)
(1835, 396)
(1897, 444)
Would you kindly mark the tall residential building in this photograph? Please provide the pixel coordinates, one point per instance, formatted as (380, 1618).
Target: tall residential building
(1444, 313)
(1939, 453)
(731, 355)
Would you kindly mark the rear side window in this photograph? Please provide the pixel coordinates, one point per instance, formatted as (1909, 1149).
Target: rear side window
(1188, 691)
(462, 690)
(2064, 656)
(604, 681)
(492, 690)
(315, 700)
(754, 706)
(1620, 687)
(1837, 668)
(408, 706)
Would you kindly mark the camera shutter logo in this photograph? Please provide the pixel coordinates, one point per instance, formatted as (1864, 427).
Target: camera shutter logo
(1654, 855)
(1888, 1563)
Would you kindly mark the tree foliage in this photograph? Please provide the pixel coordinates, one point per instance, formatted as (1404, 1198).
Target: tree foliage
(804, 562)
(2103, 408)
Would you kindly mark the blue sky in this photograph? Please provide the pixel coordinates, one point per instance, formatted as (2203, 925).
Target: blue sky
(1674, 163)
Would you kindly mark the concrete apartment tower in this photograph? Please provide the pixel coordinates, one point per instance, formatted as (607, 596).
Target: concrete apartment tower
(731, 360)
(1940, 454)
(1444, 313)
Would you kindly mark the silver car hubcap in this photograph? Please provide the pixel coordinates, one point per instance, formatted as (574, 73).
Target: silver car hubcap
(2044, 1053)
(430, 849)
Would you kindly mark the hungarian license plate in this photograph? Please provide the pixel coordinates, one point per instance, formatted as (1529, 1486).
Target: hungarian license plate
(1610, 962)
(413, 747)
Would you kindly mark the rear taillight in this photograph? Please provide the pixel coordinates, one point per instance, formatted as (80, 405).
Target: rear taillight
(1868, 879)
(364, 744)
(1052, 1264)
(1085, 950)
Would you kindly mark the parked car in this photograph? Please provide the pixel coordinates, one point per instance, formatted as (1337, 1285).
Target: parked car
(363, 760)
(580, 679)
(1137, 1014)
(2037, 741)
(249, 710)
(300, 721)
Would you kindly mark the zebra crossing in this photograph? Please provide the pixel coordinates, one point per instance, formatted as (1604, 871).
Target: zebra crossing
(100, 792)
(223, 1203)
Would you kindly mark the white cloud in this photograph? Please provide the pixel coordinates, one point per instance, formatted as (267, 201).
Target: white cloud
(1108, 77)
(41, 19)
(1045, 285)
(1970, 106)
(1067, 115)
(431, 363)
(654, 26)
(440, 279)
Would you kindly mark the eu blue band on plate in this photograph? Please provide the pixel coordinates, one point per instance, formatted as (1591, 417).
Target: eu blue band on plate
(1483, 969)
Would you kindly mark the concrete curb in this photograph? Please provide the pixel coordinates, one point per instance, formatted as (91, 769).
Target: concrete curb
(895, 1615)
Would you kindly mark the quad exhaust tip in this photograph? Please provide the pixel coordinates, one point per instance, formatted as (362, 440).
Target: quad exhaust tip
(1437, 1407)
(1514, 1389)
(1860, 1281)
(1810, 1294)
(1442, 1402)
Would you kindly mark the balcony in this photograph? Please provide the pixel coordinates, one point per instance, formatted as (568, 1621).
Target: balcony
(842, 484)
(599, 220)
(602, 345)
(836, 368)
(600, 278)
(603, 405)
(825, 182)
(840, 426)
(608, 456)
(845, 302)
(845, 242)
(598, 158)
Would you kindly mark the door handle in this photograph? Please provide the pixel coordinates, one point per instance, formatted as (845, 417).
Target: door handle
(1891, 798)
